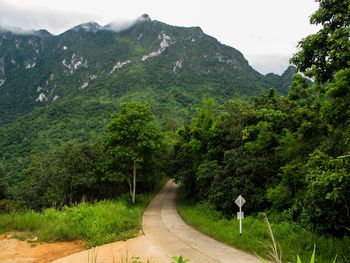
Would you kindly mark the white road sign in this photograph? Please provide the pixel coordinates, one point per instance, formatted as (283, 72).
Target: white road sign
(240, 201)
(240, 215)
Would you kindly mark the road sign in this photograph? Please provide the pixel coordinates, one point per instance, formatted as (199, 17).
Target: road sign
(240, 215)
(240, 201)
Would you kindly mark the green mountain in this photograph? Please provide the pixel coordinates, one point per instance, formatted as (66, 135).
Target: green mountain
(56, 89)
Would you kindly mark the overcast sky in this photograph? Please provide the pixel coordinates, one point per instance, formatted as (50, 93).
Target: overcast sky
(265, 31)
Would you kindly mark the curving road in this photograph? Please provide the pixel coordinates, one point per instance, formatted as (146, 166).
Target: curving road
(165, 235)
(163, 226)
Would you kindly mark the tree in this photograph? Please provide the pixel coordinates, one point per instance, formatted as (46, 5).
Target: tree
(193, 146)
(3, 184)
(72, 170)
(328, 196)
(63, 177)
(131, 141)
(326, 57)
(328, 51)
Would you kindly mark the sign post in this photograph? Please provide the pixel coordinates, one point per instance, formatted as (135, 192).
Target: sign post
(240, 215)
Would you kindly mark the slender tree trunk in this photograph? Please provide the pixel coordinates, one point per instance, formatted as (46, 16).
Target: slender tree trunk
(71, 190)
(134, 183)
(130, 185)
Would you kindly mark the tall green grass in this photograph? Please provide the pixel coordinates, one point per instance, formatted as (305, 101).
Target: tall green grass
(98, 223)
(293, 239)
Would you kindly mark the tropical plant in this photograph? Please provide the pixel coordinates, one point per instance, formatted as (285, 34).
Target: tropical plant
(131, 142)
(180, 259)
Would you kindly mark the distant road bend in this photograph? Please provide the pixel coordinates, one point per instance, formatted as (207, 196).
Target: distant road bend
(163, 226)
(165, 236)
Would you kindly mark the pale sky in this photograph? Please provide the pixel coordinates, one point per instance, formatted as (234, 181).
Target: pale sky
(265, 31)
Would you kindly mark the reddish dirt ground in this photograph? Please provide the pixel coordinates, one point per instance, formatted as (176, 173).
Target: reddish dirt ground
(15, 251)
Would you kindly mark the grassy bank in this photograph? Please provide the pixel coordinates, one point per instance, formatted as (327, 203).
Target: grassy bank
(98, 223)
(293, 239)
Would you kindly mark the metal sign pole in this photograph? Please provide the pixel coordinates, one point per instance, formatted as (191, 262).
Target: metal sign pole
(240, 202)
(240, 221)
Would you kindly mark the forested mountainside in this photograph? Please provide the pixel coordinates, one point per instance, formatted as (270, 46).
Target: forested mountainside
(55, 89)
(186, 107)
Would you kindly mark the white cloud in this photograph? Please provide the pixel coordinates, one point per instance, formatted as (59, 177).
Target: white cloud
(30, 18)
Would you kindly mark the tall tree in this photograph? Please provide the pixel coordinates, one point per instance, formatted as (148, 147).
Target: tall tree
(328, 51)
(3, 184)
(131, 141)
(62, 177)
(325, 56)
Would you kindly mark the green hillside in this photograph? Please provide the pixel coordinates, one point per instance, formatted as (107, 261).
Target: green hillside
(55, 89)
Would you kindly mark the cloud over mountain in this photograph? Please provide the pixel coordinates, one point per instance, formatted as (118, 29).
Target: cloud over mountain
(13, 16)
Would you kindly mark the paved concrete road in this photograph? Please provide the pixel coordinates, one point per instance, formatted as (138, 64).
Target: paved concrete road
(165, 236)
(163, 226)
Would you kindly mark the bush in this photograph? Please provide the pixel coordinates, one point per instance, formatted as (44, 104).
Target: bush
(328, 195)
(7, 206)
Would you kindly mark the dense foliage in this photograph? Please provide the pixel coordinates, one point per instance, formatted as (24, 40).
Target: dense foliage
(63, 177)
(115, 65)
(328, 51)
(131, 141)
(58, 89)
(87, 172)
(276, 152)
(290, 154)
(3, 184)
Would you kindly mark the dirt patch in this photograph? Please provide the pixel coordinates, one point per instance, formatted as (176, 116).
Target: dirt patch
(15, 251)
(122, 251)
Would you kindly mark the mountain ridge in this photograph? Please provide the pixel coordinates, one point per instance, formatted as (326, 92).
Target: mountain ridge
(46, 80)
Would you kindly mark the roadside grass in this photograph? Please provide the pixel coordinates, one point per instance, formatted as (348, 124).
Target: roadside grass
(97, 223)
(293, 239)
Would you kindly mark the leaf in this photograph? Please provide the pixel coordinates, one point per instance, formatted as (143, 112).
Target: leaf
(263, 260)
(312, 260)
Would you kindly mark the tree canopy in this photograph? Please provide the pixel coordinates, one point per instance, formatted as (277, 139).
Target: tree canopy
(328, 51)
(3, 184)
(131, 142)
(289, 155)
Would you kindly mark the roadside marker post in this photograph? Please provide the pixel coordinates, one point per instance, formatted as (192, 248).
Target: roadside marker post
(240, 215)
